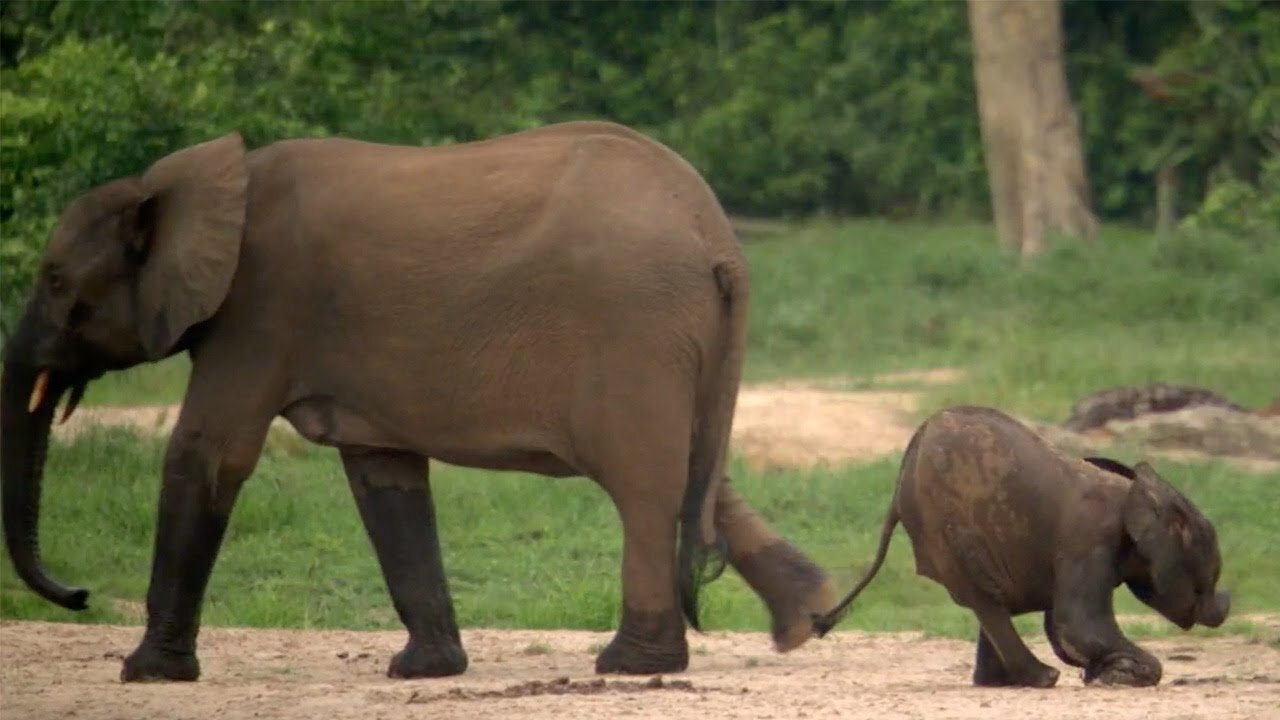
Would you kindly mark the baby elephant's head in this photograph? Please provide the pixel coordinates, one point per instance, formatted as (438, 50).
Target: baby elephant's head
(1172, 562)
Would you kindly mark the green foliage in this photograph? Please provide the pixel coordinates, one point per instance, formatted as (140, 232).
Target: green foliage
(1237, 208)
(789, 108)
(296, 554)
(1192, 85)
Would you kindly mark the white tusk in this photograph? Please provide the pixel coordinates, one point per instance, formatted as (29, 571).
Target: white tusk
(73, 400)
(38, 391)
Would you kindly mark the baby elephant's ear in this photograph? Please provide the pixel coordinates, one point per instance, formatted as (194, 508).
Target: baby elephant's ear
(1156, 524)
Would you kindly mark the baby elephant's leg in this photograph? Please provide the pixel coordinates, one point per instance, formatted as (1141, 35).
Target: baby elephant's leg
(988, 668)
(1082, 626)
(1050, 632)
(1094, 642)
(1012, 662)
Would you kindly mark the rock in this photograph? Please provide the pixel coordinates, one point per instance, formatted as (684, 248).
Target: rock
(1208, 429)
(1097, 409)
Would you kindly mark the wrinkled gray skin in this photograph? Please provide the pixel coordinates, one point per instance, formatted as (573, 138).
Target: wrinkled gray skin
(569, 300)
(1010, 525)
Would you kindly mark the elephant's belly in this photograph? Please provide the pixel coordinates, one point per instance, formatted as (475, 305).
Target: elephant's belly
(324, 421)
(530, 461)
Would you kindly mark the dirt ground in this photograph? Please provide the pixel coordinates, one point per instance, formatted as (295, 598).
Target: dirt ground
(71, 671)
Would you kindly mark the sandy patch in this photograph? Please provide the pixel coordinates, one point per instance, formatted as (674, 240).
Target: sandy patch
(64, 671)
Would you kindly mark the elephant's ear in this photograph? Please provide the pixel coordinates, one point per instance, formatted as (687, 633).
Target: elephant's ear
(189, 229)
(1157, 524)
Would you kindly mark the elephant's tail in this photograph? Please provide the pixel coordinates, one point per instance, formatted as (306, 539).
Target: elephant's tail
(716, 401)
(822, 624)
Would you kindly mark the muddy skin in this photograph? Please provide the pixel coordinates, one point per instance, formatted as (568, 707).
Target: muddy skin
(647, 643)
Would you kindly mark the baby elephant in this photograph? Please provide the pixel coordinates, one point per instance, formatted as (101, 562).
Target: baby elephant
(1010, 525)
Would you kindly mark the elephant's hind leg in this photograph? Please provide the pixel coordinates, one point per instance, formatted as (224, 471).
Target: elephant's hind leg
(792, 586)
(393, 494)
(651, 636)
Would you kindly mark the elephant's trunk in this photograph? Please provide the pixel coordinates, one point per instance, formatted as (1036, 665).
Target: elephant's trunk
(24, 438)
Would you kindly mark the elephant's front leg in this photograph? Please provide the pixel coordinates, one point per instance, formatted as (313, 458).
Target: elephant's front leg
(393, 494)
(201, 481)
(792, 587)
(1083, 629)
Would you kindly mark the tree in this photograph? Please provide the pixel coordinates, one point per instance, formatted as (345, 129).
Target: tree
(1030, 132)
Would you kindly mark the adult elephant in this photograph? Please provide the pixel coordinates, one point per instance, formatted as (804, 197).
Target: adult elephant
(568, 300)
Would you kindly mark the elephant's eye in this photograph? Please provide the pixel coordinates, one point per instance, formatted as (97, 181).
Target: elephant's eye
(57, 284)
(79, 315)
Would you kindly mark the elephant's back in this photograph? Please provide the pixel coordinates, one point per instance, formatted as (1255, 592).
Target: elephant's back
(582, 187)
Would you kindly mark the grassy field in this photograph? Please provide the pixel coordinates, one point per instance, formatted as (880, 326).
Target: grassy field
(524, 551)
(828, 300)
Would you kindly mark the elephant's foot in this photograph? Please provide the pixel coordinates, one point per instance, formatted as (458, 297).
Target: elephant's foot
(1124, 670)
(420, 659)
(793, 588)
(149, 663)
(1036, 676)
(646, 644)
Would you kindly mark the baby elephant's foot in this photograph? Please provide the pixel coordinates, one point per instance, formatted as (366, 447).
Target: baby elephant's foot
(1125, 670)
(420, 659)
(1036, 676)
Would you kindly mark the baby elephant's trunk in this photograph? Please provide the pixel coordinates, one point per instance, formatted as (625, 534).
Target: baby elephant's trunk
(1213, 609)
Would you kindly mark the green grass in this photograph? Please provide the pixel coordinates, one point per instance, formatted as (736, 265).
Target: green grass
(525, 551)
(850, 299)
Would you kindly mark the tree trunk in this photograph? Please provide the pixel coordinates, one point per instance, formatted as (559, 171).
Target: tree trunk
(1030, 133)
(1166, 199)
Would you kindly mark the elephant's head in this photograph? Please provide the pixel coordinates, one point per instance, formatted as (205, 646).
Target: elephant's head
(131, 267)
(1173, 561)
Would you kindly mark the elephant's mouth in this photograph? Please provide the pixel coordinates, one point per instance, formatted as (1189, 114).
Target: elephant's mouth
(1141, 590)
(61, 382)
